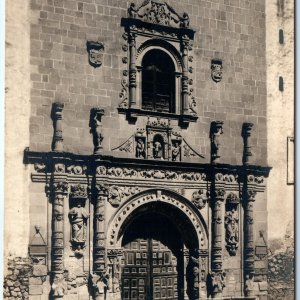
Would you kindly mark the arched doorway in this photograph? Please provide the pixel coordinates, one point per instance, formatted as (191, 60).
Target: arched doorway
(155, 238)
(152, 262)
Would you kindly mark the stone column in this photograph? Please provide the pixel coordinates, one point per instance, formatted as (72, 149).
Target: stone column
(217, 276)
(249, 198)
(216, 129)
(132, 70)
(59, 194)
(184, 79)
(57, 142)
(96, 128)
(246, 133)
(101, 272)
(193, 279)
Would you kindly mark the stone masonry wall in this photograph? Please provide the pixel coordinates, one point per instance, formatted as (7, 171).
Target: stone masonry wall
(231, 30)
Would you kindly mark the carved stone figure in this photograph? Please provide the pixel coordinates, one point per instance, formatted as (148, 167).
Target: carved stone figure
(95, 50)
(216, 283)
(199, 199)
(216, 70)
(176, 151)
(78, 218)
(216, 129)
(157, 149)
(96, 128)
(232, 233)
(59, 286)
(100, 284)
(249, 286)
(140, 148)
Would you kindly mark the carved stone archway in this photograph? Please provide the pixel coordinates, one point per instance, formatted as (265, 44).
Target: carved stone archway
(183, 216)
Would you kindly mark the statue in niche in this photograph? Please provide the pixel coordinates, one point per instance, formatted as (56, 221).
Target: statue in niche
(78, 218)
(140, 148)
(157, 150)
(176, 151)
(96, 128)
(232, 233)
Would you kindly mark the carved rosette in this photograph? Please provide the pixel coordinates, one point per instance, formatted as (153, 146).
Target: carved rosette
(216, 129)
(96, 128)
(101, 194)
(60, 190)
(249, 196)
(57, 142)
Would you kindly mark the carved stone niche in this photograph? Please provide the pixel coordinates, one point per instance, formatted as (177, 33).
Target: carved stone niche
(155, 26)
(232, 224)
(158, 140)
(38, 248)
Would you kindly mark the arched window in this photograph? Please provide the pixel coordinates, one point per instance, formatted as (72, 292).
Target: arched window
(158, 82)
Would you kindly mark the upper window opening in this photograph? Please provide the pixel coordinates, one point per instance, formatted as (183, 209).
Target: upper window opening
(158, 82)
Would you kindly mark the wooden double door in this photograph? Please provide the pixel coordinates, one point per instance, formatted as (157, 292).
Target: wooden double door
(151, 268)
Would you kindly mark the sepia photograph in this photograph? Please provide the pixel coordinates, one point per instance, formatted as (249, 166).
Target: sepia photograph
(149, 150)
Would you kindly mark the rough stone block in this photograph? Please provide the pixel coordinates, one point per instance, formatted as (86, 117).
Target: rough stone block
(263, 286)
(35, 280)
(40, 270)
(35, 290)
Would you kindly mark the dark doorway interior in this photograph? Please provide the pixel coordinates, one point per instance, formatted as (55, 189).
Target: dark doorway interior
(152, 266)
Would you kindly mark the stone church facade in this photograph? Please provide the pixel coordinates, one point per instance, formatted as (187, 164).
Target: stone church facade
(147, 153)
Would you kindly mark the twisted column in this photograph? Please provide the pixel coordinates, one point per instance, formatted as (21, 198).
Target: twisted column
(246, 134)
(57, 142)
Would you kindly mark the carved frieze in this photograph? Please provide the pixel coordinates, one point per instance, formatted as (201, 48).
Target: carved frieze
(158, 12)
(76, 169)
(116, 194)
